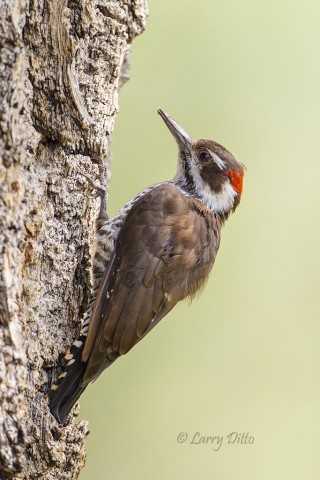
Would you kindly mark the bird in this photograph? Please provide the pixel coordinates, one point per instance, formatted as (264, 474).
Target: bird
(155, 252)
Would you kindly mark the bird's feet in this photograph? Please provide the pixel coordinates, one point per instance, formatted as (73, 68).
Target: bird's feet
(100, 187)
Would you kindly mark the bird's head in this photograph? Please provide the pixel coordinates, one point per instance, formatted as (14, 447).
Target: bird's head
(207, 170)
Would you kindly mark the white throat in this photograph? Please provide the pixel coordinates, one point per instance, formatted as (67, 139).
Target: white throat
(221, 202)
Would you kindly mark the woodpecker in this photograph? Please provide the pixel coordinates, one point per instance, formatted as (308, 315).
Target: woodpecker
(159, 249)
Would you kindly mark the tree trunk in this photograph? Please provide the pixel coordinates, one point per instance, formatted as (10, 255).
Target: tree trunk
(61, 65)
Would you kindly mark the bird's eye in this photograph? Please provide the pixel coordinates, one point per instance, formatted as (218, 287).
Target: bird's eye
(204, 155)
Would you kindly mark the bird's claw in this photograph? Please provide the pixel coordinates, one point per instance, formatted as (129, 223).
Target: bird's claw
(101, 189)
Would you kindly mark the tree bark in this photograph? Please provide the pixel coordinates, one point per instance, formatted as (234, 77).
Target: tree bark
(61, 65)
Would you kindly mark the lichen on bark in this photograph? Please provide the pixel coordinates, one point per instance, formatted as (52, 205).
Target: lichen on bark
(61, 65)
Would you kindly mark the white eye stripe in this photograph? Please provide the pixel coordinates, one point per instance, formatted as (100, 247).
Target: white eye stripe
(220, 163)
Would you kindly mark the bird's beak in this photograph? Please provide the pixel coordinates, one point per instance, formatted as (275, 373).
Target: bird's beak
(182, 138)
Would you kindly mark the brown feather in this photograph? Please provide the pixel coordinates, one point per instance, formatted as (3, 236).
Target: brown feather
(158, 296)
(146, 314)
(161, 240)
(114, 312)
(95, 320)
(127, 312)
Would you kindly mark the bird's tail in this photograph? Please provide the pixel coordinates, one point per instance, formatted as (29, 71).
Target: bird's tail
(66, 391)
(68, 387)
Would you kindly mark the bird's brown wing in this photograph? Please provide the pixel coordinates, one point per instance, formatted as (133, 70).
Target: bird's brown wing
(164, 252)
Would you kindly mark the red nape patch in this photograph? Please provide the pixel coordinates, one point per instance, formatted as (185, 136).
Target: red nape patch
(236, 179)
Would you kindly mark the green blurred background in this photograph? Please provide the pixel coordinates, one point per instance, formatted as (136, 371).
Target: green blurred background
(245, 357)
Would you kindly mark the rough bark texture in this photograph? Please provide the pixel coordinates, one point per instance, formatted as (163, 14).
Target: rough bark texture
(61, 64)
